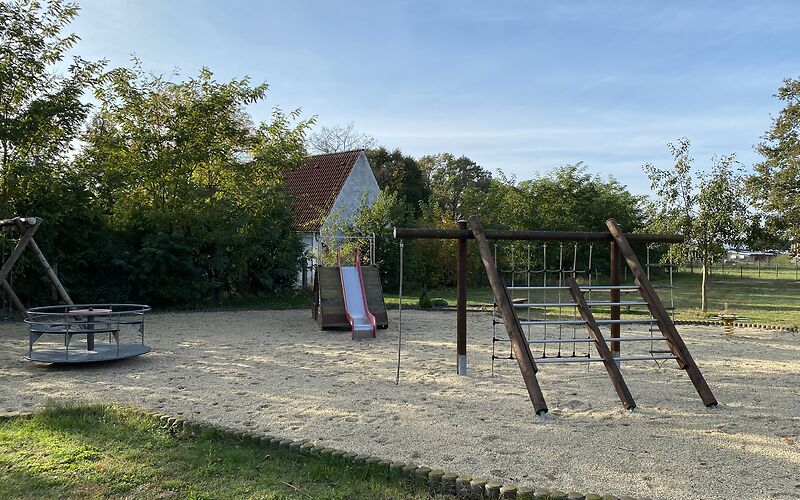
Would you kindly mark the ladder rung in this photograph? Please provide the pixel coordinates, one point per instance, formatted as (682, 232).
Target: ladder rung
(585, 287)
(586, 339)
(572, 304)
(588, 360)
(581, 322)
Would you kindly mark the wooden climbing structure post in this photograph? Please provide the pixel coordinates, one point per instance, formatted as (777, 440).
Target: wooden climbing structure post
(519, 343)
(461, 303)
(659, 312)
(602, 348)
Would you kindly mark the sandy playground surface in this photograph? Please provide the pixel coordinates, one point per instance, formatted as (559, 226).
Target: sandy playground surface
(274, 371)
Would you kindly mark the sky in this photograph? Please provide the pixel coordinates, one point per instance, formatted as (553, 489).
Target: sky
(518, 86)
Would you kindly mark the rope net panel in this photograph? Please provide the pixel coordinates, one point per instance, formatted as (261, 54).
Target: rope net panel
(535, 274)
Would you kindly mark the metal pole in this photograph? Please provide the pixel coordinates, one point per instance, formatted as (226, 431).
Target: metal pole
(400, 317)
(461, 303)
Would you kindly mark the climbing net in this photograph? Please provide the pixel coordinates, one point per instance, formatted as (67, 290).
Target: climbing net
(535, 274)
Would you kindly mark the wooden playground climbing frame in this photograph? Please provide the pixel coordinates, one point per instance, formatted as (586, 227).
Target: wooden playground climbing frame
(610, 356)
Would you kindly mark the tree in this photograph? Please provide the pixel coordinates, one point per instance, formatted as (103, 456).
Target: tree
(380, 218)
(339, 138)
(41, 115)
(450, 178)
(193, 187)
(41, 112)
(710, 212)
(775, 186)
(399, 173)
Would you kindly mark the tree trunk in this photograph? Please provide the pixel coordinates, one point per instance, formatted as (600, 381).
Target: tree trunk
(703, 287)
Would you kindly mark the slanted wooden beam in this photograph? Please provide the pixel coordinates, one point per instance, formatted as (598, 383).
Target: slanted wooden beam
(62, 292)
(659, 312)
(519, 343)
(27, 236)
(602, 348)
(10, 291)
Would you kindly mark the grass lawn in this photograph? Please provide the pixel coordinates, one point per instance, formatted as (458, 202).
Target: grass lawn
(93, 451)
(766, 300)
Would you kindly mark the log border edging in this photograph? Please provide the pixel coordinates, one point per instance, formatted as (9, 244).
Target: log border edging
(738, 324)
(442, 482)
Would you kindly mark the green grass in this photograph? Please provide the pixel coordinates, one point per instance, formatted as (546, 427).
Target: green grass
(766, 300)
(94, 451)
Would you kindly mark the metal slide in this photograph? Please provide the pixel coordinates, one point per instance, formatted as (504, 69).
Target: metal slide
(355, 300)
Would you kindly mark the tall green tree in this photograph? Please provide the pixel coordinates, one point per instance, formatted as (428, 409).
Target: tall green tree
(709, 209)
(194, 186)
(41, 112)
(450, 178)
(775, 186)
(401, 174)
(41, 116)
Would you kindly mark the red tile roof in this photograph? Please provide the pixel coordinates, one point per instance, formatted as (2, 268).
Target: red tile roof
(315, 186)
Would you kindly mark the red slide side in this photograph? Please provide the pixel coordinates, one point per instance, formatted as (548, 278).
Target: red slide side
(364, 294)
(368, 316)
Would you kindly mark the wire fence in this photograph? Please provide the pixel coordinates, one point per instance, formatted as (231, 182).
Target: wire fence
(760, 270)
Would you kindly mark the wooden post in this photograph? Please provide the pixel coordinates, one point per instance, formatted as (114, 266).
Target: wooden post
(27, 236)
(461, 303)
(10, 291)
(615, 297)
(608, 359)
(46, 265)
(519, 343)
(659, 312)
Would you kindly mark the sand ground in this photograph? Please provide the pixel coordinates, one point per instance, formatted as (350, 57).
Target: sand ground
(274, 371)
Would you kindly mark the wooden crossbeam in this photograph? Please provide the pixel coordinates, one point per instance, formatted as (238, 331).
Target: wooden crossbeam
(659, 312)
(520, 347)
(602, 348)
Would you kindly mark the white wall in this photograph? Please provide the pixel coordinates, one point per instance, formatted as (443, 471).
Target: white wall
(360, 181)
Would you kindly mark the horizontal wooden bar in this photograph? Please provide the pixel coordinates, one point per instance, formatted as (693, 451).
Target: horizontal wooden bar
(457, 234)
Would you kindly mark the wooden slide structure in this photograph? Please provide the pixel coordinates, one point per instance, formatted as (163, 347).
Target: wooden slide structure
(521, 348)
(329, 300)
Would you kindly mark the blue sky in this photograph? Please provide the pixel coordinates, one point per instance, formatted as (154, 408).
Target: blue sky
(517, 86)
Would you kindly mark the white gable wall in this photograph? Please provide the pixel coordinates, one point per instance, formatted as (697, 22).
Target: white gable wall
(345, 208)
(360, 181)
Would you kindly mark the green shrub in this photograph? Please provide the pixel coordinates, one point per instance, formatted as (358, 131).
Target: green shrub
(425, 300)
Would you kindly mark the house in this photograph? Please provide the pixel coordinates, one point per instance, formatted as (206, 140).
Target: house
(327, 188)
